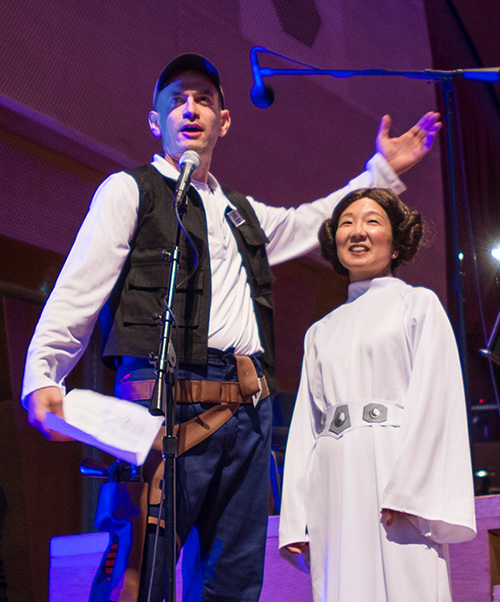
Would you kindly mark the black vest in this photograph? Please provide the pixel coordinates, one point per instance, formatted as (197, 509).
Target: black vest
(129, 320)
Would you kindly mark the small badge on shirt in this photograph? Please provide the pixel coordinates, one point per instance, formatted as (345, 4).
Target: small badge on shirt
(235, 217)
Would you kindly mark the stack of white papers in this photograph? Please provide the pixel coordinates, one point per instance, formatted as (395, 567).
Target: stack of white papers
(120, 428)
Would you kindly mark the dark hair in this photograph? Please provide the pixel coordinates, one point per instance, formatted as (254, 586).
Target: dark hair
(407, 226)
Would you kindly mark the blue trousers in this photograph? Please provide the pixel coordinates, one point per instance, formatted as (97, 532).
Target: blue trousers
(222, 498)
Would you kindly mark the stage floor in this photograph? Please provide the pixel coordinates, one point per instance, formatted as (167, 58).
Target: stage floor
(474, 565)
(74, 560)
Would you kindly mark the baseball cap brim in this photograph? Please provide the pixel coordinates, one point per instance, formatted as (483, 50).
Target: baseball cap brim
(188, 62)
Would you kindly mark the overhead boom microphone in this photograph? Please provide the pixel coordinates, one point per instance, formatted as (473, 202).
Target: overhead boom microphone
(262, 94)
(188, 163)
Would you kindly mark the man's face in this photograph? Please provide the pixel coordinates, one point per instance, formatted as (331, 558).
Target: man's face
(188, 116)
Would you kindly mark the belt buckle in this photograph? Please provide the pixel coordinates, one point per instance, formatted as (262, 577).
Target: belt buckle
(256, 396)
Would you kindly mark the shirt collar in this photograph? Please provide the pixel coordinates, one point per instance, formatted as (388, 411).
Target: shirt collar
(169, 171)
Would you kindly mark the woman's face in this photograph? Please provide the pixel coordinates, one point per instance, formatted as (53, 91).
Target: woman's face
(364, 240)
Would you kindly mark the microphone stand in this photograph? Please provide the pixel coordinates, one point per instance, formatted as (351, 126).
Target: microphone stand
(445, 78)
(163, 403)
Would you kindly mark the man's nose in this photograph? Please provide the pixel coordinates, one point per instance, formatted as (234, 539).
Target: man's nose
(190, 110)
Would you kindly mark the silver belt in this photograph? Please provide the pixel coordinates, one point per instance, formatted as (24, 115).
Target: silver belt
(343, 416)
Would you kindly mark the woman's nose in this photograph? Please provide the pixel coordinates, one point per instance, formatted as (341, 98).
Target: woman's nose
(358, 230)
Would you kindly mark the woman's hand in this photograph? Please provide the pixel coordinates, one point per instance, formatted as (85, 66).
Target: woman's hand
(298, 547)
(389, 515)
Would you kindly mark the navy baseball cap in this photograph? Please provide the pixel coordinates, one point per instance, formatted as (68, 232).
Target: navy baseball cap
(188, 62)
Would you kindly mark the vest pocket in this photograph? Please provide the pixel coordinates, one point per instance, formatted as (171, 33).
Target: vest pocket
(146, 288)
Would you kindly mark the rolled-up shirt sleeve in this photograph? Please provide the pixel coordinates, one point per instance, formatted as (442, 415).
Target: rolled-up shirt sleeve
(293, 232)
(84, 284)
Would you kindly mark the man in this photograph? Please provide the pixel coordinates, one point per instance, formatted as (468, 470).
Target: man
(117, 268)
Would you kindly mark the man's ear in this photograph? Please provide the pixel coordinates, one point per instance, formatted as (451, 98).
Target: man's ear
(154, 123)
(225, 122)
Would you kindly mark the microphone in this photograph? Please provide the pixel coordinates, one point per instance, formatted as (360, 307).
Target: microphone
(262, 94)
(188, 163)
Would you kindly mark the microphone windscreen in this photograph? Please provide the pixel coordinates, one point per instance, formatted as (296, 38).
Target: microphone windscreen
(189, 156)
(262, 96)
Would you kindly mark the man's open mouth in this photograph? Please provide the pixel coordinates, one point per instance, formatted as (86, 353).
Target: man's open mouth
(191, 128)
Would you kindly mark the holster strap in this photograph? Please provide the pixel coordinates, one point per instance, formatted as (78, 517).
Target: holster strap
(153, 520)
(188, 434)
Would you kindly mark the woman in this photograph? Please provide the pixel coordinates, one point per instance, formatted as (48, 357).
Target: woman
(377, 474)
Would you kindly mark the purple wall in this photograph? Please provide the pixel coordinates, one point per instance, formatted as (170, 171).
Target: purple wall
(77, 77)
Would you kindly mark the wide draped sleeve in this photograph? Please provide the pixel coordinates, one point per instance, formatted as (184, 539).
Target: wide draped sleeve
(431, 479)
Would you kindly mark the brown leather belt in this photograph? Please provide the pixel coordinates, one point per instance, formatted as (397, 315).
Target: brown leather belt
(193, 391)
(249, 388)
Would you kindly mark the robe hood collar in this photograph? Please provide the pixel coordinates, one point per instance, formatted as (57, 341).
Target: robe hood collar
(356, 289)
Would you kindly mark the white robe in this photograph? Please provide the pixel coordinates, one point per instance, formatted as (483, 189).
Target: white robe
(392, 345)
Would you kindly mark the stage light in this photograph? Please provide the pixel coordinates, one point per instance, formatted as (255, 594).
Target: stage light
(460, 256)
(495, 253)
